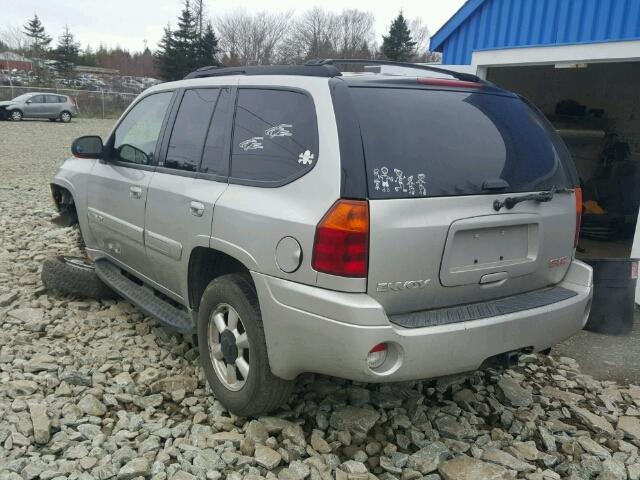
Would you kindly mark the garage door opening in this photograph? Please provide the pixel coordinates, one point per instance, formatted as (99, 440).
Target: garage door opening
(596, 110)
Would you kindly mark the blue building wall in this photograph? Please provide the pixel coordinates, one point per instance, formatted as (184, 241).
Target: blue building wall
(493, 24)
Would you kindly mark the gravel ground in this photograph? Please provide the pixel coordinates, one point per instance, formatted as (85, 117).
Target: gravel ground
(94, 390)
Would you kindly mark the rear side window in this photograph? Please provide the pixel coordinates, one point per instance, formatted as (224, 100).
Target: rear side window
(214, 159)
(275, 136)
(190, 129)
(430, 143)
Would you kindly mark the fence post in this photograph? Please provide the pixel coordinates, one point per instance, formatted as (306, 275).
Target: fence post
(103, 104)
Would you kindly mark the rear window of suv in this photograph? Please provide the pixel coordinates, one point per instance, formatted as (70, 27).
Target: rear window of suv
(433, 143)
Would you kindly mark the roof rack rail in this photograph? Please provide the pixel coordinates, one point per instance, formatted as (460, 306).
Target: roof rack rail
(362, 61)
(303, 70)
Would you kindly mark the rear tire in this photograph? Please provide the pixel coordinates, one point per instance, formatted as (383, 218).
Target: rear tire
(65, 117)
(15, 115)
(76, 276)
(261, 391)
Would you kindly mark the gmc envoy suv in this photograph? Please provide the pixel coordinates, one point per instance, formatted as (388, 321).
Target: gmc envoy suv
(377, 228)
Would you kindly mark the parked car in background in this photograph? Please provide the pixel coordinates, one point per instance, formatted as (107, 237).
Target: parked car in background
(39, 105)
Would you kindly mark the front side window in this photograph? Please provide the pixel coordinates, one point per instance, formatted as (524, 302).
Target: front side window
(37, 99)
(136, 137)
(190, 129)
(275, 136)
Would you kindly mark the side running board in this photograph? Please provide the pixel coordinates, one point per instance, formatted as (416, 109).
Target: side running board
(144, 298)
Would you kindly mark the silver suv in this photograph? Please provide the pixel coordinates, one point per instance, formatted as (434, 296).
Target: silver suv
(372, 227)
(39, 105)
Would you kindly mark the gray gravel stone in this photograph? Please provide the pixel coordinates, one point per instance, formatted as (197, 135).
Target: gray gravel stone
(467, 468)
(267, 457)
(138, 467)
(354, 420)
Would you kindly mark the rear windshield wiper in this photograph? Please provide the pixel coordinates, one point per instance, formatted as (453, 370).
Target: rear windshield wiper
(539, 197)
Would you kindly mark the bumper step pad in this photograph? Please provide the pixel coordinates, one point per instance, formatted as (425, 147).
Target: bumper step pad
(144, 298)
(478, 311)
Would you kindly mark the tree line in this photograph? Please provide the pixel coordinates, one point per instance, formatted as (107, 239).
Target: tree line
(263, 38)
(233, 39)
(33, 40)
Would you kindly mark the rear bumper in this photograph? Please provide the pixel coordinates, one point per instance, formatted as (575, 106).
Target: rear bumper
(309, 329)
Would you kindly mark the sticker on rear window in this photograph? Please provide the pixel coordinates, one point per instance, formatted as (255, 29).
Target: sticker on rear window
(253, 143)
(411, 184)
(281, 130)
(305, 158)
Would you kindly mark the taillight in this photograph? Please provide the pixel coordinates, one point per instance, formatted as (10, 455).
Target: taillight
(341, 245)
(578, 193)
(445, 82)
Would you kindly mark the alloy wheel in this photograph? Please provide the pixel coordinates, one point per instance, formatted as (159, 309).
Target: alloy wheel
(229, 347)
(65, 117)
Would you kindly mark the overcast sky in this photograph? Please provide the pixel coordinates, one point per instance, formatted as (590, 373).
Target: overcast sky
(128, 23)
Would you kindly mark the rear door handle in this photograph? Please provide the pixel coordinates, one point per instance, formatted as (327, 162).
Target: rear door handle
(135, 192)
(197, 208)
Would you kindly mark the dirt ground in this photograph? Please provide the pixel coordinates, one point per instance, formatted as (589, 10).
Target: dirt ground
(606, 357)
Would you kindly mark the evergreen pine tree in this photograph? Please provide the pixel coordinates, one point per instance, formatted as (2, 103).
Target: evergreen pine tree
(398, 45)
(164, 56)
(207, 47)
(38, 36)
(66, 52)
(185, 43)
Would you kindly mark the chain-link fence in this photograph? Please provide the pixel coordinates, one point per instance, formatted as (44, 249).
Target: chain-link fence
(90, 104)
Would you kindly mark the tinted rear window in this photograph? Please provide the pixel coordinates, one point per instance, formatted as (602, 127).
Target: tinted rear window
(433, 143)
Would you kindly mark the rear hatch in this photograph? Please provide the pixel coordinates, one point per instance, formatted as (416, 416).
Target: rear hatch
(437, 160)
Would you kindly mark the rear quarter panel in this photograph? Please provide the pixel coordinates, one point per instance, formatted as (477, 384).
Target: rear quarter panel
(252, 220)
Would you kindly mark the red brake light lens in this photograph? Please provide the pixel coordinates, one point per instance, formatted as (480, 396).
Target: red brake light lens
(445, 82)
(578, 193)
(341, 245)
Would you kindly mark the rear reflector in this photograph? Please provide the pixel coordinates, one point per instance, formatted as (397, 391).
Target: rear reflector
(578, 194)
(377, 355)
(445, 82)
(341, 245)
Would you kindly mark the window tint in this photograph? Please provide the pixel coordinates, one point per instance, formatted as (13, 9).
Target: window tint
(37, 99)
(52, 98)
(275, 136)
(435, 143)
(136, 136)
(215, 159)
(190, 129)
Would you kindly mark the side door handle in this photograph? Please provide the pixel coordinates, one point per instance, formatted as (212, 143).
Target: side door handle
(135, 192)
(197, 208)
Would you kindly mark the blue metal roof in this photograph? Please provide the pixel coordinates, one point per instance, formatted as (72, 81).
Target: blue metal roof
(494, 24)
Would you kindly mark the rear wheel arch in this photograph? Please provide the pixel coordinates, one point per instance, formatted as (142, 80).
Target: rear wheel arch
(207, 264)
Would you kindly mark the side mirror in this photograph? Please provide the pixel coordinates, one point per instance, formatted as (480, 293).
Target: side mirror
(89, 146)
(29, 101)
